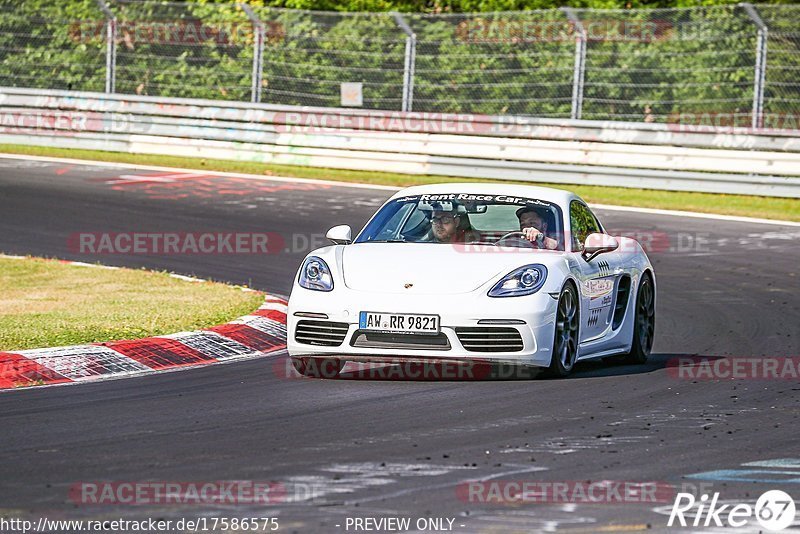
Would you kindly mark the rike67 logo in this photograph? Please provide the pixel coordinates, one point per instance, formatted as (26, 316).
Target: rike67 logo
(774, 511)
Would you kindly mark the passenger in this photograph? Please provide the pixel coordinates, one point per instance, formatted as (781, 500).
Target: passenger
(534, 227)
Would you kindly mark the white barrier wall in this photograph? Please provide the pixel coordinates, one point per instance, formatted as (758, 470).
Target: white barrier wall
(653, 156)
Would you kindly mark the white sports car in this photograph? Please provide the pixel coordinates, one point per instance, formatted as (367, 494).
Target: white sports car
(473, 272)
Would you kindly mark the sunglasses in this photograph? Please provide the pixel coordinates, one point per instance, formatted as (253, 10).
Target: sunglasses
(443, 219)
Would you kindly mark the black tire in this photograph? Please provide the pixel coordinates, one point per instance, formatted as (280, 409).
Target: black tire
(644, 322)
(318, 367)
(565, 339)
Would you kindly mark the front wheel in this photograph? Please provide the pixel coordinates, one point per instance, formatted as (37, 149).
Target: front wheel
(318, 367)
(565, 343)
(644, 322)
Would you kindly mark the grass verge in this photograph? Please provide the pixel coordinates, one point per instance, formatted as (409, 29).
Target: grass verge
(741, 205)
(45, 303)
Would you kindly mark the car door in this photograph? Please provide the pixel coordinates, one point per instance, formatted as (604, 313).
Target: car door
(598, 277)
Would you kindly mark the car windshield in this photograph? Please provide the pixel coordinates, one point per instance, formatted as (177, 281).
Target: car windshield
(463, 218)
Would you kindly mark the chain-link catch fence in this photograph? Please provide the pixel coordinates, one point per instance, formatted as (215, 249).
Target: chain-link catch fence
(734, 65)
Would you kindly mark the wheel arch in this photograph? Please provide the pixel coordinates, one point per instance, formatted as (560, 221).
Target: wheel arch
(648, 271)
(570, 279)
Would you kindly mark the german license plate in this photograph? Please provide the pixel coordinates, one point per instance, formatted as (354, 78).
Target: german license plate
(399, 323)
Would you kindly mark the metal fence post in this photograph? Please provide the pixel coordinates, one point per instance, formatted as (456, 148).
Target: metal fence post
(111, 46)
(259, 36)
(761, 65)
(410, 61)
(579, 71)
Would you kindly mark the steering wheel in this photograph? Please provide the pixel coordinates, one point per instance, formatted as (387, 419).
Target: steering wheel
(518, 237)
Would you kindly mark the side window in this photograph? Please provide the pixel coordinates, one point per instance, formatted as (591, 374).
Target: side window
(391, 223)
(582, 223)
(416, 226)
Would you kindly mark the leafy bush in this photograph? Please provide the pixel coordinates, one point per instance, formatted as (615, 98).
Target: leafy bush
(641, 65)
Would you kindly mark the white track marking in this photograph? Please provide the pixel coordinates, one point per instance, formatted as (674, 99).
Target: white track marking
(115, 165)
(696, 215)
(82, 362)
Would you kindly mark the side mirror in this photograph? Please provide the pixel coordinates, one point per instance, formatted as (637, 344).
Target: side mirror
(598, 244)
(340, 235)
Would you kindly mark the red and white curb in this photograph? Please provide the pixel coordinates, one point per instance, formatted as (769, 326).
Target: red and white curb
(257, 334)
(262, 332)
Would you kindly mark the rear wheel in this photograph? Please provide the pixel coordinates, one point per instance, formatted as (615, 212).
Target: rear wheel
(318, 367)
(565, 343)
(644, 324)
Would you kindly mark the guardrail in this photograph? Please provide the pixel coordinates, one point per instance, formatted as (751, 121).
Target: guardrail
(652, 156)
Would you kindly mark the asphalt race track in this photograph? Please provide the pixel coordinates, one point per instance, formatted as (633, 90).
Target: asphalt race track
(357, 448)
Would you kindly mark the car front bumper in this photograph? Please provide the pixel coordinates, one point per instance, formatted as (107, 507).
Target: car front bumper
(533, 317)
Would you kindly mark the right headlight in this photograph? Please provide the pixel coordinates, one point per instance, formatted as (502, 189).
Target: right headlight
(520, 282)
(315, 274)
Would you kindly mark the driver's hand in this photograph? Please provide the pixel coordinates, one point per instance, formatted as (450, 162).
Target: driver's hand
(531, 233)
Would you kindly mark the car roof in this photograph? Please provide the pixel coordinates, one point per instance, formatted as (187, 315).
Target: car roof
(556, 196)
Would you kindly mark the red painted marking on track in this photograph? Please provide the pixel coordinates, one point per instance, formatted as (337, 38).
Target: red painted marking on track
(154, 178)
(63, 170)
(19, 371)
(160, 353)
(178, 185)
(249, 336)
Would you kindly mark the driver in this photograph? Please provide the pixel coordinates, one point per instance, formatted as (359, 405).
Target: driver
(445, 226)
(534, 227)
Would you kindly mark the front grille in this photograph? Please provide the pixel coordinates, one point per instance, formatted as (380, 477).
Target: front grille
(326, 333)
(382, 340)
(490, 339)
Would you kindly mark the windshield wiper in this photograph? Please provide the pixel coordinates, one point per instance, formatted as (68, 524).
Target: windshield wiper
(388, 241)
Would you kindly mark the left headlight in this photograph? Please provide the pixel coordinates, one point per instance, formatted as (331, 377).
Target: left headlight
(520, 282)
(315, 274)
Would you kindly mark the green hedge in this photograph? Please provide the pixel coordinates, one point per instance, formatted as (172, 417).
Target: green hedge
(681, 61)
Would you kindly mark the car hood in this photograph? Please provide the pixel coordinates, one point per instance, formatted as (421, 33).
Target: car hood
(428, 268)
